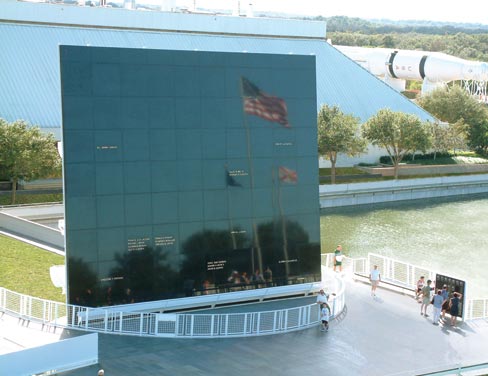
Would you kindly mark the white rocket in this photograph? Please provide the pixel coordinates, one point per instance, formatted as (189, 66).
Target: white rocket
(432, 68)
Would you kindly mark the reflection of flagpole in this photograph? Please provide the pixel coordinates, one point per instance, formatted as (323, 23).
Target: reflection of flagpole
(251, 181)
(231, 224)
(283, 228)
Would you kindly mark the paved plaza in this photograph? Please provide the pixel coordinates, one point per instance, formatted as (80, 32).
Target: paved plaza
(385, 335)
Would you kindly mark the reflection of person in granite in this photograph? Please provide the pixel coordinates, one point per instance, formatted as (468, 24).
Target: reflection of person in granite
(88, 298)
(257, 278)
(234, 278)
(128, 298)
(188, 287)
(244, 278)
(108, 297)
(205, 287)
(268, 276)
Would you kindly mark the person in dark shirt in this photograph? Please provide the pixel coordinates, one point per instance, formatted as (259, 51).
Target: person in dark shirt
(454, 307)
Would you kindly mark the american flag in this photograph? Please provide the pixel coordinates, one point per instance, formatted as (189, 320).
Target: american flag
(268, 107)
(287, 175)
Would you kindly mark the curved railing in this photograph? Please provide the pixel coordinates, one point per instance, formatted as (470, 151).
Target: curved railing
(181, 325)
(404, 276)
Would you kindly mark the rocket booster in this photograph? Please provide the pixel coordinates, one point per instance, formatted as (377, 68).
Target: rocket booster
(416, 65)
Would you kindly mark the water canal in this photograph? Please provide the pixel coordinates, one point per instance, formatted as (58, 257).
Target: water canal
(447, 235)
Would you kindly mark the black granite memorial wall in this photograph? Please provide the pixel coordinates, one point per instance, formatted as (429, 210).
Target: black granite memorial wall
(187, 172)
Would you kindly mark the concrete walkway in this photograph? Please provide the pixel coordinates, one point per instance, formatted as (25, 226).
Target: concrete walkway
(15, 336)
(385, 335)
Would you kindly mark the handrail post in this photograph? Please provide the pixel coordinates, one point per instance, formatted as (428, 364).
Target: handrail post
(56, 313)
(212, 325)
(106, 321)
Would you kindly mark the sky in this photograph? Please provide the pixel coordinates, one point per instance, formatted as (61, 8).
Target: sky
(469, 11)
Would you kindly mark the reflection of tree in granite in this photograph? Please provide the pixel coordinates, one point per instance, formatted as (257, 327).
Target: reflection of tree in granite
(302, 257)
(148, 275)
(203, 246)
(82, 283)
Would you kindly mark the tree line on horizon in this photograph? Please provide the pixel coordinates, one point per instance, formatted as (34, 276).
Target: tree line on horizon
(466, 41)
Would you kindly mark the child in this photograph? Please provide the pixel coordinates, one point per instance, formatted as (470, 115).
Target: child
(324, 316)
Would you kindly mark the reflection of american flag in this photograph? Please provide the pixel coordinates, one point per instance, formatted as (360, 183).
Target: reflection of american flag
(263, 105)
(287, 176)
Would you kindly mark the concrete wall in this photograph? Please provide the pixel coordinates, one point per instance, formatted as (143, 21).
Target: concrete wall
(31, 230)
(399, 190)
(61, 356)
(406, 170)
(35, 211)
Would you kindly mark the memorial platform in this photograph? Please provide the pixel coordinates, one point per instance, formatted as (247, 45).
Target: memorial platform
(382, 335)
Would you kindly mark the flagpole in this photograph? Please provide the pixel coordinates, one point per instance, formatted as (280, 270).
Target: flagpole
(251, 182)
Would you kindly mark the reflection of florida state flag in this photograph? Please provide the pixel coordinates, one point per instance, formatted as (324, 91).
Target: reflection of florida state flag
(287, 176)
(263, 105)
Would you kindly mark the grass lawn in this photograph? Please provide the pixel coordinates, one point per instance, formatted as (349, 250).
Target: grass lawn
(348, 173)
(30, 198)
(340, 171)
(25, 269)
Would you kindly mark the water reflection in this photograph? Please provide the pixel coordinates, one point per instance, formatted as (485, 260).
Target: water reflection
(448, 235)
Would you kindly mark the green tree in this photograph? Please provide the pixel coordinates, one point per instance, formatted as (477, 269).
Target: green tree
(388, 41)
(26, 153)
(338, 133)
(454, 105)
(398, 133)
(446, 137)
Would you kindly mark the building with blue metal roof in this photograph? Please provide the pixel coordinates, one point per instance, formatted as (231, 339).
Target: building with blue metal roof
(31, 33)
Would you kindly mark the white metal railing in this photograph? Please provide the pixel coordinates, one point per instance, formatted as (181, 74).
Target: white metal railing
(181, 325)
(405, 276)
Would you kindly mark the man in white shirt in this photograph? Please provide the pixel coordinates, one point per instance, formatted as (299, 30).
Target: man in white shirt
(322, 297)
(375, 279)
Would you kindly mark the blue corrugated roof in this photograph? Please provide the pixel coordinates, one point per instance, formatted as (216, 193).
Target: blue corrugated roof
(29, 67)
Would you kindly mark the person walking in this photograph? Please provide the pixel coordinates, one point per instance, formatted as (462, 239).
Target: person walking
(425, 298)
(420, 284)
(325, 317)
(338, 257)
(437, 303)
(375, 279)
